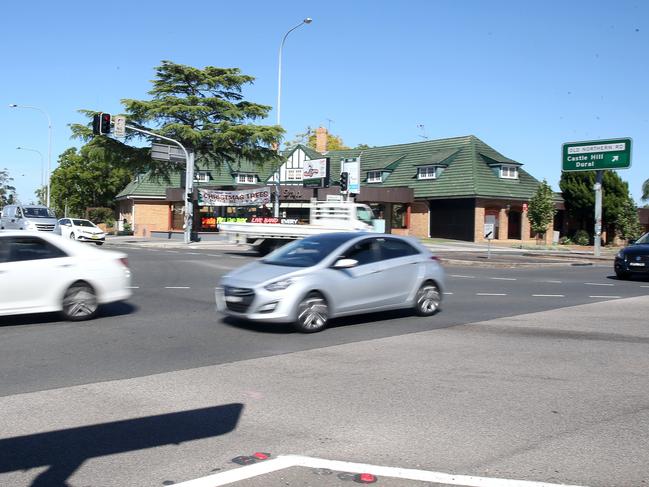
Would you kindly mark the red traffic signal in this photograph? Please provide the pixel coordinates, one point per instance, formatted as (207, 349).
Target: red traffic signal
(105, 123)
(101, 124)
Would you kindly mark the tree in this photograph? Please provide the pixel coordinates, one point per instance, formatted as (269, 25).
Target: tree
(86, 178)
(541, 209)
(204, 110)
(627, 223)
(579, 197)
(41, 195)
(309, 139)
(645, 190)
(7, 191)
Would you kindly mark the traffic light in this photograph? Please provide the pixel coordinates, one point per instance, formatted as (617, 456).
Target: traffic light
(105, 123)
(96, 124)
(190, 197)
(344, 181)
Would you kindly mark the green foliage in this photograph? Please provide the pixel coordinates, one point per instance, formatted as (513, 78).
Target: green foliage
(581, 237)
(204, 110)
(41, 195)
(627, 223)
(100, 215)
(87, 178)
(645, 190)
(565, 241)
(541, 209)
(579, 196)
(309, 139)
(362, 147)
(7, 191)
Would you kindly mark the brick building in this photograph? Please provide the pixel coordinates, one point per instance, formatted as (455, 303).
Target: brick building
(449, 188)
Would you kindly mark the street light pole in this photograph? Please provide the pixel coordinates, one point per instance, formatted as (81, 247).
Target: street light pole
(42, 163)
(308, 20)
(49, 144)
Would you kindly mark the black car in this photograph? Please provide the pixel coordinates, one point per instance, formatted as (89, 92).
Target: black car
(634, 259)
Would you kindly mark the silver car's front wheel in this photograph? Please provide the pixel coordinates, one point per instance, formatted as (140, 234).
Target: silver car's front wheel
(428, 299)
(312, 313)
(79, 302)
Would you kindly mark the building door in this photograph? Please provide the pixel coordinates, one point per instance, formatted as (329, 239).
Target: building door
(514, 225)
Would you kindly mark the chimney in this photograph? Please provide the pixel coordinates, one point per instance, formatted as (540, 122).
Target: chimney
(321, 139)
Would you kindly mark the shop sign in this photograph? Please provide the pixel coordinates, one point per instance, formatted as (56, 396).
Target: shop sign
(248, 197)
(271, 220)
(315, 173)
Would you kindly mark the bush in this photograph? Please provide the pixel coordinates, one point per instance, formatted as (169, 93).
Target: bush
(565, 241)
(582, 237)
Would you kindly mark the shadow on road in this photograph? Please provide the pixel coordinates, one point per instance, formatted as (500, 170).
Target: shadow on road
(64, 451)
(105, 311)
(285, 328)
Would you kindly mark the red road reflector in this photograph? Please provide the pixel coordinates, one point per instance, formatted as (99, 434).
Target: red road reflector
(261, 456)
(365, 478)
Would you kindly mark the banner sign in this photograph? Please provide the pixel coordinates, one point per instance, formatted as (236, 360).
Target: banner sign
(315, 173)
(248, 197)
(352, 166)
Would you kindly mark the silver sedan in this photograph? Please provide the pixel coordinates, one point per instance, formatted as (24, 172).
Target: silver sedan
(310, 281)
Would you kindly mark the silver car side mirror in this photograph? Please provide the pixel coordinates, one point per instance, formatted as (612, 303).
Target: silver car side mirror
(345, 263)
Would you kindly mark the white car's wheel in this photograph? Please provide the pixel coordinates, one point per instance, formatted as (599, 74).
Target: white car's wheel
(72, 236)
(79, 302)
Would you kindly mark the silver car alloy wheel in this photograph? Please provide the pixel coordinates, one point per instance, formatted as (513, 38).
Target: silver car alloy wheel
(428, 299)
(312, 313)
(79, 302)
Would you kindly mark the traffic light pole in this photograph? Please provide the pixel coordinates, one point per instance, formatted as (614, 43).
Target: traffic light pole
(189, 180)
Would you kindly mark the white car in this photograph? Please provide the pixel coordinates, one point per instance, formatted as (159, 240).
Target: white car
(82, 230)
(42, 273)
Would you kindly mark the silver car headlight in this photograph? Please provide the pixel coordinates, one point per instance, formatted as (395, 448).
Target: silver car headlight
(279, 285)
(31, 226)
(620, 255)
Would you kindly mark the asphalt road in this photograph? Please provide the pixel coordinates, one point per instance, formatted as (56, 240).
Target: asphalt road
(534, 374)
(170, 323)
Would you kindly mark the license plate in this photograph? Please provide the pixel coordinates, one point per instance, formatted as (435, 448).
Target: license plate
(234, 299)
(636, 264)
(95, 236)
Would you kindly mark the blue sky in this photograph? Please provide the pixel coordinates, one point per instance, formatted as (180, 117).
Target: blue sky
(523, 76)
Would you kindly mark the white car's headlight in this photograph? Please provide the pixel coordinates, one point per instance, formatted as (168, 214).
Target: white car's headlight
(279, 285)
(31, 226)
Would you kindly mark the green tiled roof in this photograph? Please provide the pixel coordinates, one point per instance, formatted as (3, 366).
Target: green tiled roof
(467, 172)
(147, 186)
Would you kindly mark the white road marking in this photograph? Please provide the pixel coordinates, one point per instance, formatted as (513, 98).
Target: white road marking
(177, 287)
(236, 257)
(287, 461)
(503, 278)
(490, 294)
(193, 253)
(447, 294)
(597, 284)
(553, 282)
(133, 287)
(214, 255)
(465, 277)
(644, 286)
(611, 297)
(172, 251)
(548, 295)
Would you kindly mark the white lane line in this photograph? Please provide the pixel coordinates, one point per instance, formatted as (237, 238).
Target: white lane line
(606, 297)
(644, 286)
(503, 278)
(465, 277)
(214, 255)
(193, 253)
(287, 461)
(132, 287)
(236, 257)
(553, 282)
(597, 284)
(447, 294)
(172, 251)
(177, 287)
(548, 295)
(490, 294)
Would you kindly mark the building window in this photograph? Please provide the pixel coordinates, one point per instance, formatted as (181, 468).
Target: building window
(202, 176)
(427, 172)
(246, 178)
(294, 174)
(374, 177)
(509, 172)
(398, 217)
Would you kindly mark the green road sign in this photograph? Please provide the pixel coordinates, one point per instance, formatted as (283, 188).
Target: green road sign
(595, 155)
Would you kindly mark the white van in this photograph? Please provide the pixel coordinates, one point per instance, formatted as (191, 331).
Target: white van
(29, 217)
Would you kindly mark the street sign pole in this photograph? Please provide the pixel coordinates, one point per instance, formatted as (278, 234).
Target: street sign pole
(189, 181)
(599, 176)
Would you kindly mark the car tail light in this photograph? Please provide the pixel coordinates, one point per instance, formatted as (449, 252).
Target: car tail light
(435, 258)
(124, 261)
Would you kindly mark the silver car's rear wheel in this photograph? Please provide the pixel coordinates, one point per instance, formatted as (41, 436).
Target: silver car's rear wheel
(79, 302)
(428, 299)
(312, 313)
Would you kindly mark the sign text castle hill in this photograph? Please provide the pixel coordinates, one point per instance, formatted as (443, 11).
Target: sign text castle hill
(596, 155)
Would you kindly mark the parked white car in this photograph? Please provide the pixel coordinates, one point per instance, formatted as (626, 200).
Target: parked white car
(41, 272)
(82, 230)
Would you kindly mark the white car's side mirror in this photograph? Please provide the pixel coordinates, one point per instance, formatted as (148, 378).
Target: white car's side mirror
(345, 263)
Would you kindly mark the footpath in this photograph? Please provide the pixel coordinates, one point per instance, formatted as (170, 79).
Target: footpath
(451, 252)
